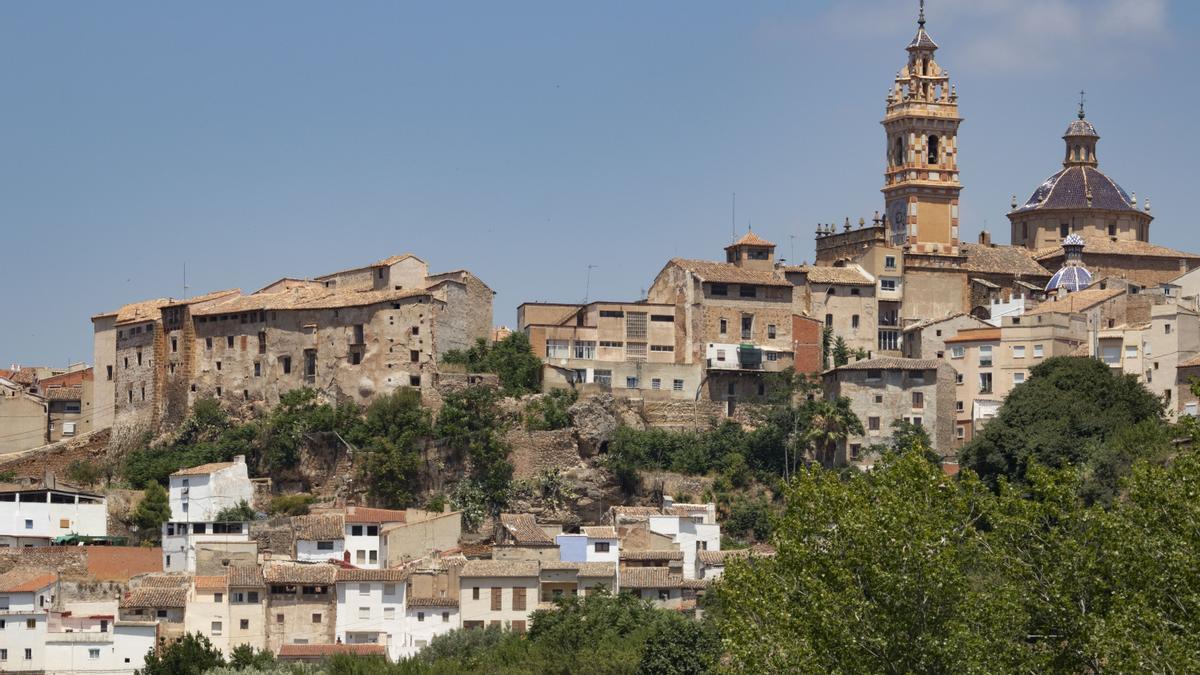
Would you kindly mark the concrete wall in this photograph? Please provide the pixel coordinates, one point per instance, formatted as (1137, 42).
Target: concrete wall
(481, 609)
(22, 421)
(104, 361)
(413, 540)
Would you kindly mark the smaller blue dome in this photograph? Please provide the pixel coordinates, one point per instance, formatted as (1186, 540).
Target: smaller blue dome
(1072, 277)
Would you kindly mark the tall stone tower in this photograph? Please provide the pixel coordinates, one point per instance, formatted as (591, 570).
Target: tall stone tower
(920, 184)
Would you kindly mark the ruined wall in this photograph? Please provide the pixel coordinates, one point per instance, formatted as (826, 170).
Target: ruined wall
(66, 560)
(531, 452)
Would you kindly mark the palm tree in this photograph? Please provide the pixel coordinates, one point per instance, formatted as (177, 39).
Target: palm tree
(829, 423)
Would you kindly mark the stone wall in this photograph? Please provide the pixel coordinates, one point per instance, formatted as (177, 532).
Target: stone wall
(57, 457)
(531, 452)
(66, 560)
(681, 415)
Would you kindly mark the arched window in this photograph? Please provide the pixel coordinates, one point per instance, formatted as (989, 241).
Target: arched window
(924, 66)
(898, 155)
(933, 150)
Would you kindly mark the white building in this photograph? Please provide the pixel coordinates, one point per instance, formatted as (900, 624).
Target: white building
(26, 595)
(691, 527)
(197, 495)
(34, 515)
(364, 538)
(320, 537)
(370, 608)
(428, 618)
(96, 644)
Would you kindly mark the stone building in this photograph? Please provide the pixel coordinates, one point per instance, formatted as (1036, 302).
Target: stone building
(927, 339)
(301, 603)
(885, 390)
(350, 335)
(22, 418)
(846, 300)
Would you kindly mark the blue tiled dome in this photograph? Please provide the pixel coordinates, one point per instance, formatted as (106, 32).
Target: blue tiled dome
(1072, 277)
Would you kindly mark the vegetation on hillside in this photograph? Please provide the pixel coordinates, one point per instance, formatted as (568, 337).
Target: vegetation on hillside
(511, 359)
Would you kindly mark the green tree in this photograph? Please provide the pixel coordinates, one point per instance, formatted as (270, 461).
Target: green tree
(241, 513)
(1066, 410)
(246, 657)
(191, 654)
(511, 359)
(677, 645)
(827, 424)
(749, 519)
(83, 472)
(470, 423)
(551, 411)
(152, 512)
(392, 437)
(841, 352)
(826, 345)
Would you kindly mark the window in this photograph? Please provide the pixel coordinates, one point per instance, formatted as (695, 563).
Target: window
(389, 613)
(257, 369)
(747, 291)
(918, 399)
(218, 365)
(664, 594)
(603, 377)
(1038, 351)
(355, 359)
(1131, 351)
(414, 355)
(887, 284)
(662, 348)
(874, 374)
(959, 406)
(28, 654)
(278, 618)
(854, 321)
(855, 451)
(585, 349)
(771, 331)
(747, 326)
(360, 557)
(356, 530)
(879, 398)
(558, 349)
(1167, 328)
(677, 385)
(29, 523)
(1063, 230)
(3, 654)
(602, 547)
(286, 362)
(110, 373)
(662, 317)
(475, 593)
(373, 557)
(718, 289)
(30, 624)
(855, 291)
(985, 383)
(720, 355)
(414, 380)
(933, 150)
(364, 589)
(889, 262)
(985, 356)
(420, 616)
(216, 628)
(518, 626)
(872, 424)
(139, 358)
(1018, 352)
(244, 624)
(497, 600)
(316, 617)
(611, 314)
(958, 351)
(772, 356)
(724, 326)
(445, 617)
(324, 545)
(631, 382)
(372, 530)
(960, 432)
(655, 383)
(364, 612)
(1018, 378)
(829, 320)
(612, 344)
(218, 597)
(252, 597)
(229, 341)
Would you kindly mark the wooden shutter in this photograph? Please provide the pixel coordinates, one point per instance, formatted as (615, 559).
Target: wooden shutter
(497, 603)
(519, 598)
(518, 626)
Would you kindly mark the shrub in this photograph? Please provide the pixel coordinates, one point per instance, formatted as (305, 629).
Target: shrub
(290, 505)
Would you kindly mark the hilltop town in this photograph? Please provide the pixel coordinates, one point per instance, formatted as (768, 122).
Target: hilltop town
(360, 462)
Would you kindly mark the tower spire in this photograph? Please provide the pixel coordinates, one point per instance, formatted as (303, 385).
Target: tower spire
(1081, 100)
(921, 15)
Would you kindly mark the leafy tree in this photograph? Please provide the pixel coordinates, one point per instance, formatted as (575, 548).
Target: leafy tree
(290, 505)
(246, 657)
(677, 645)
(152, 512)
(749, 519)
(241, 513)
(908, 436)
(471, 424)
(1112, 461)
(299, 414)
(826, 345)
(511, 359)
(841, 352)
(1067, 409)
(550, 411)
(826, 424)
(191, 654)
(392, 436)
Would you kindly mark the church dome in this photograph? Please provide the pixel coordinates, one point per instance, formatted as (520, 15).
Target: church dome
(1073, 276)
(1081, 127)
(1079, 187)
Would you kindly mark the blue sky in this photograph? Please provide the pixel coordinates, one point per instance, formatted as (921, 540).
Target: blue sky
(524, 140)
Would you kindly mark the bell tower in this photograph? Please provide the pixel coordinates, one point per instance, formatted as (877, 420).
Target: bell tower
(920, 183)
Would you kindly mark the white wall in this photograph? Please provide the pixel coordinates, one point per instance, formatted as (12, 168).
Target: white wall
(179, 550)
(306, 551)
(121, 649)
(384, 613)
(688, 535)
(16, 638)
(364, 544)
(207, 494)
(46, 519)
(420, 633)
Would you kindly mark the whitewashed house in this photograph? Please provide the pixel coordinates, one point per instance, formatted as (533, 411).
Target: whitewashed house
(593, 543)
(26, 596)
(427, 618)
(370, 608)
(197, 496)
(96, 644)
(320, 537)
(691, 527)
(34, 514)
(364, 537)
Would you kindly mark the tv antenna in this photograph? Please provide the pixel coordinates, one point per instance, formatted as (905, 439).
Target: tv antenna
(587, 289)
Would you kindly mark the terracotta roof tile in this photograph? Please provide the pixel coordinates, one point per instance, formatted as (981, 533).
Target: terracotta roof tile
(1106, 246)
(720, 557)
(524, 529)
(26, 580)
(362, 514)
(750, 239)
(142, 598)
(925, 323)
(891, 363)
(164, 580)
(312, 651)
(650, 577)
(634, 512)
(652, 555)
(245, 576)
(499, 568)
(975, 335)
(728, 273)
(1008, 260)
(305, 298)
(74, 393)
(1190, 363)
(1077, 302)
(299, 573)
(210, 583)
(838, 276)
(204, 469)
(321, 526)
(391, 575)
(599, 531)
(432, 602)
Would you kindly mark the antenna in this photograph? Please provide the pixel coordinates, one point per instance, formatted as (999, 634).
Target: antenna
(185, 286)
(587, 289)
(792, 252)
(733, 221)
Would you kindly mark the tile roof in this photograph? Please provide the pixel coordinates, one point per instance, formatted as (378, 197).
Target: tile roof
(390, 575)
(1076, 302)
(499, 568)
(26, 580)
(890, 363)
(140, 598)
(149, 310)
(432, 602)
(1007, 260)
(975, 335)
(597, 570)
(599, 531)
(838, 276)
(304, 651)
(245, 576)
(321, 526)
(720, 557)
(119, 563)
(164, 580)
(1105, 246)
(1190, 363)
(1079, 187)
(299, 573)
(25, 375)
(750, 239)
(524, 529)
(924, 323)
(305, 298)
(652, 555)
(204, 469)
(74, 393)
(210, 583)
(635, 512)
(728, 273)
(363, 514)
(656, 577)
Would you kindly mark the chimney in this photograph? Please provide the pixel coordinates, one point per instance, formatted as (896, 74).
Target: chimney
(48, 480)
(668, 502)
(985, 238)
(239, 459)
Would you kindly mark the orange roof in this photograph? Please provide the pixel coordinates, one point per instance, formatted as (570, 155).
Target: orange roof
(1077, 301)
(301, 651)
(1190, 363)
(204, 469)
(750, 239)
(26, 580)
(211, 583)
(363, 514)
(975, 335)
(119, 563)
